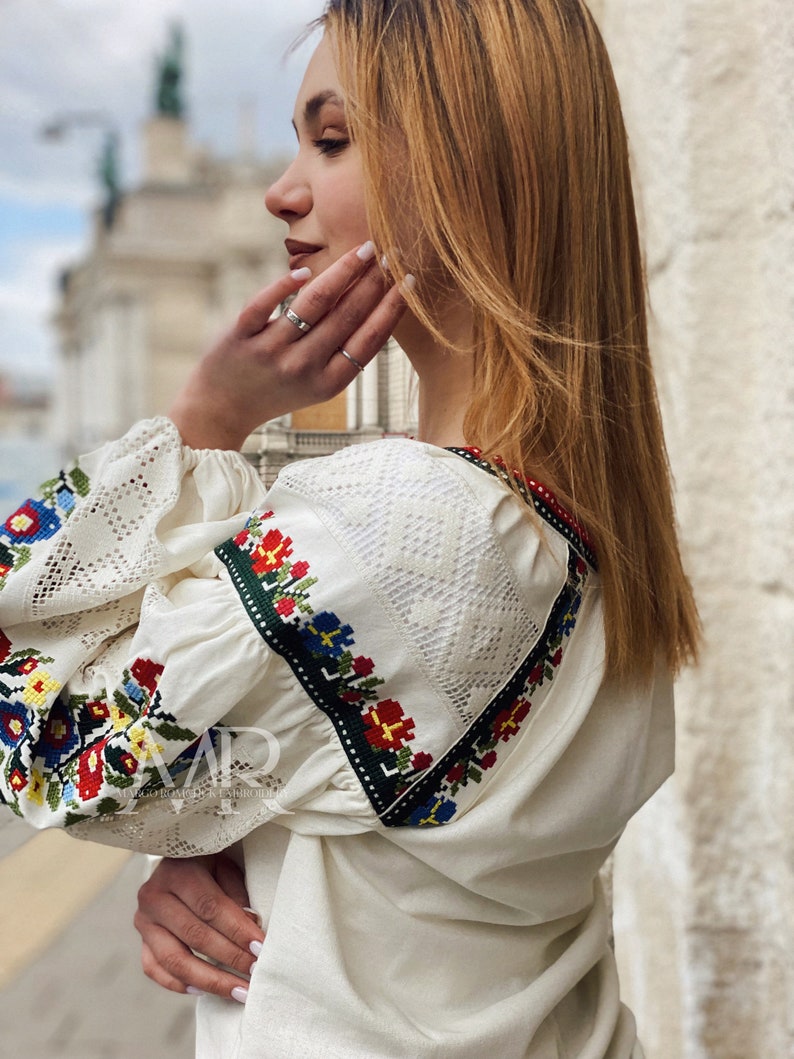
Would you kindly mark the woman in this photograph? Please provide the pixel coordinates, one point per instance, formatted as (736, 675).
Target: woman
(445, 686)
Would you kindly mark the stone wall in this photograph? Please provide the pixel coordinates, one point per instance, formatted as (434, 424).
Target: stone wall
(704, 878)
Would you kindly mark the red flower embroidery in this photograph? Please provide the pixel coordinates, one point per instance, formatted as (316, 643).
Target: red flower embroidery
(271, 552)
(285, 606)
(18, 780)
(98, 710)
(147, 673)
(5, 645)
(507, 722)
(421, 760)
(557, 657)
(28, 665)
(129, 762)
(456, 773)
(536, 675)
(390, 729)
(362, 666)
(90, 770)
(299, 569)
(241, 538)
(350, 696)
(488, 760)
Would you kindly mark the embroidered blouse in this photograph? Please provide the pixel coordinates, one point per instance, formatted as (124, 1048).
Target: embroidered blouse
(384, 688)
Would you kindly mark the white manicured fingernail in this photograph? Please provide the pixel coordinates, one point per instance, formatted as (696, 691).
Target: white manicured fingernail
(193, 991)
(367, 251)
(300, 274)
(384, 263)
(256, 948)
(239, 994)
(408, 283)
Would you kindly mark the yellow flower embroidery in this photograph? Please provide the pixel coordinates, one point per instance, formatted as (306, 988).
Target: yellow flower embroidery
(119, 718)
(36, 788)
(142, 743)
(20, 523)
(38, 687)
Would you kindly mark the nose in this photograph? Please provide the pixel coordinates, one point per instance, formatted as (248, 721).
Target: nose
(290, 196)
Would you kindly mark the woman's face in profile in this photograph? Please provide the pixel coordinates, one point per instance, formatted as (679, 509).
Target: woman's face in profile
(321, 194)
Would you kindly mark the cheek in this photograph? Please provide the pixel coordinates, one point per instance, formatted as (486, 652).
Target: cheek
(349, 210)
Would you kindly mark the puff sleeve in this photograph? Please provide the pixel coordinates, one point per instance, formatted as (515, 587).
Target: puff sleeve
(124, 646)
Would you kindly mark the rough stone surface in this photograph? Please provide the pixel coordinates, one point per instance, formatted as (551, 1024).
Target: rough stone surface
(704, 878)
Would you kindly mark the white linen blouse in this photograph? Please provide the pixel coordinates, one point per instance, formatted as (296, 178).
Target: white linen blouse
(385, 688)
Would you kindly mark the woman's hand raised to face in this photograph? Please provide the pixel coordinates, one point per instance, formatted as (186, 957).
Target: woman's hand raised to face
(197, 905)
(266, 367)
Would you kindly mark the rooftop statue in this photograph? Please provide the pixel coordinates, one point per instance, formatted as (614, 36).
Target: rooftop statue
(170, 72)
(109, 176)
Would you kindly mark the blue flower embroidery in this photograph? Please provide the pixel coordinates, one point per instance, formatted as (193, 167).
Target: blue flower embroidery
(324, 634)
(59, 736)
(65, 498)
(439, 810)
(14, 723)
(134, 691)
(33, 521)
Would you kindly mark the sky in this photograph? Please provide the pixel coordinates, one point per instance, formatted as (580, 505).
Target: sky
(61, 57)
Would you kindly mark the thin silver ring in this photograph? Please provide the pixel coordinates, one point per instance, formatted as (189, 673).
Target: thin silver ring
(352, 360)
(295, 319)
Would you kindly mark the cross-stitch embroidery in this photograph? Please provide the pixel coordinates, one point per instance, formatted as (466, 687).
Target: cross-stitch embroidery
(39, 519)
(404, 783)
(84, 750)
(319, 647)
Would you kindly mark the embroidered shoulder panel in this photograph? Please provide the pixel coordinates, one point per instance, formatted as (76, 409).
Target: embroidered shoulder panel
(406, 783)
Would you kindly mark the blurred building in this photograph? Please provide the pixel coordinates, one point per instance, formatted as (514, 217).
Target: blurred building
(24, 406)
(170, 264)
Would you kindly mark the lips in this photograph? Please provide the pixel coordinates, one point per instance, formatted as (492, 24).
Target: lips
(298, 251)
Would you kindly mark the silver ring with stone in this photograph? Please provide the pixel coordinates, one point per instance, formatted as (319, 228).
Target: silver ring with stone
(295, 319)
(352, 360)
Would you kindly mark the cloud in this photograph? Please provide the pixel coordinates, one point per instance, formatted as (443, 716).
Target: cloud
(27, 301)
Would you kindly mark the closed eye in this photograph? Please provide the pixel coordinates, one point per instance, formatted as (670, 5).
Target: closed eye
(331, 145)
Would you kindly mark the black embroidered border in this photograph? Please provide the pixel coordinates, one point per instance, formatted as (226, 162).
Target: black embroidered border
(317, 679)
(430, 783)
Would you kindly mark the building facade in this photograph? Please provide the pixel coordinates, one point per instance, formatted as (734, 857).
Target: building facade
(704, 877)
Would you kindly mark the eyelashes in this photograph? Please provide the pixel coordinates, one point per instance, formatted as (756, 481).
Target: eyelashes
(331, 145)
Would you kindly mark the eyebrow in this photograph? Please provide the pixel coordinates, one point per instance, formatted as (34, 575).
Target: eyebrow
(316, 104)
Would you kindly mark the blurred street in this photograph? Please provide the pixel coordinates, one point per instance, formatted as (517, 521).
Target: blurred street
(70, 980)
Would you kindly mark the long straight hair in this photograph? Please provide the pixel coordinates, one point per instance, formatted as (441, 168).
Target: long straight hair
(505, 119)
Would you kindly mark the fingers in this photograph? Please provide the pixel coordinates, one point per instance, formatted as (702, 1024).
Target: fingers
(197, 906)
(255, 316)
(360, 321)
(366, 342)
(231, 880)
(319, 298)
(174, 967)
(325, 292)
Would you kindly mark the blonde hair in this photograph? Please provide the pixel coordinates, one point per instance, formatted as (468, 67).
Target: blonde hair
(510, 130)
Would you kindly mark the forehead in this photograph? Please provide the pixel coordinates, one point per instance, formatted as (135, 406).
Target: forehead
(320, 83)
